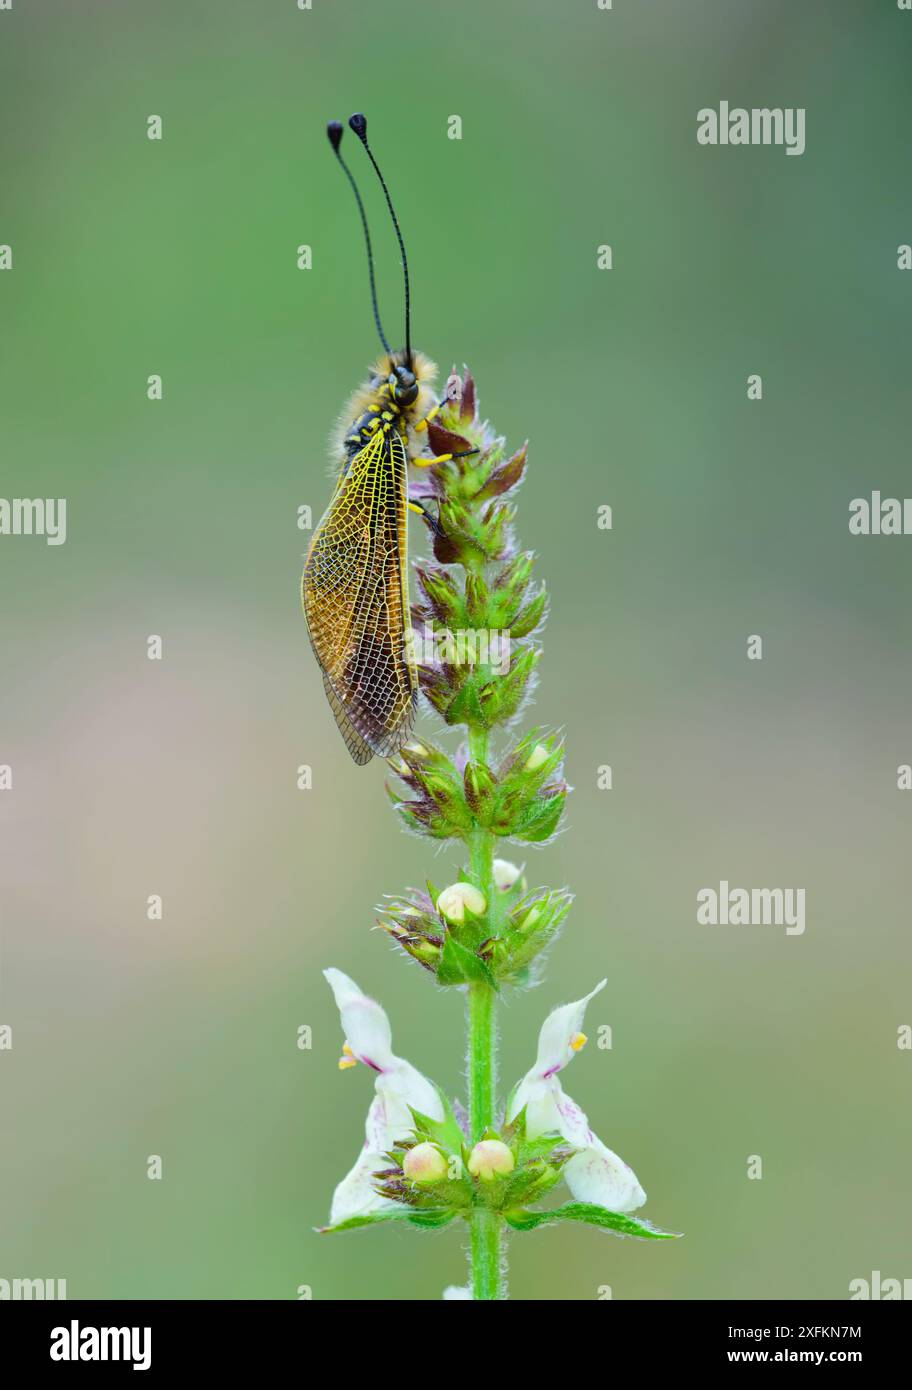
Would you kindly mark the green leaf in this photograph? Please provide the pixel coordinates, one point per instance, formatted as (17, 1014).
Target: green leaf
(541, 821)
(592, 1215)
(445, 1132)
(543, 1146)
(433, 892)
(430, 1217)
(458, 964)
(530, 1182)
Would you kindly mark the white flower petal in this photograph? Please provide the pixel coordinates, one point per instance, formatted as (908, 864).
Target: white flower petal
(369, 1036)
(364, 1022)
(598, 1175)
(559, 1029)
(355, 1195)
(403, 1089)
(540, 1091)
(454, 1291)
(377, 1137)
(540, 1102)
(594, 1174)
(398, 1087)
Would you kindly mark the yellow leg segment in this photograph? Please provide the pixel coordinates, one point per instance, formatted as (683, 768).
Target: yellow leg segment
(427, 463)
(423, 424)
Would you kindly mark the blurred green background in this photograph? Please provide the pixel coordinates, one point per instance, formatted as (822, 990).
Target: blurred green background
(131, 777)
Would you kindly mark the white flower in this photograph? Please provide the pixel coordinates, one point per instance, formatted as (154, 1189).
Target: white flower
(452, 1292)
(595, 1174)
(368, 1039)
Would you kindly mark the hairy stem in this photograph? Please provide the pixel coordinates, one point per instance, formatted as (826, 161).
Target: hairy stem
(486, 1254)
(482, 1060)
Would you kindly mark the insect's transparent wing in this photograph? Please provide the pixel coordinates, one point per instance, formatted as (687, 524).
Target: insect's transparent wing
(359, 748)
(355, 593)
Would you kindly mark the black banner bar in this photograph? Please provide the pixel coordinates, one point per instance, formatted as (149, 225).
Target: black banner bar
(105, 1338)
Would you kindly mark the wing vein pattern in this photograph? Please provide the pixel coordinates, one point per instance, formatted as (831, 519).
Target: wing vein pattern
(355, 594)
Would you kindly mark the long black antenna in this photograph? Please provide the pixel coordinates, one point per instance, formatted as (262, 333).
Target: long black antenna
(358, 123)
(334, 131)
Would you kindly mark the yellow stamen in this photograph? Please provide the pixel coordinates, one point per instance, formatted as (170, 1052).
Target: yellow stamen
(578, 1041)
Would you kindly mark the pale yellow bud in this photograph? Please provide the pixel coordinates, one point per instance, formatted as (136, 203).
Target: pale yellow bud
(458, 899)
(505, 875)
(424, 1163)
(539, 755)
(491, 1159)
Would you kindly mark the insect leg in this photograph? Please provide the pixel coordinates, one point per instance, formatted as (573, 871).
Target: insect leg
(428, 516)
(442, 458)
(435, 410)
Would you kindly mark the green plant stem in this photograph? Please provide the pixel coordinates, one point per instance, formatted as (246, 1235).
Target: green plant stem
(486, 1244)
(482, 1065)
(486, 1225)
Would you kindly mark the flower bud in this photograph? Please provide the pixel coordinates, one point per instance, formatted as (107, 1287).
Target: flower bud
(504, 698)
(476, 595)
(497, 521)
(424, 1164)
(419, 753)
(467, 401)
(494, 952)
(504, 475)
(490, 1159)
(454, 902)
(509, 808)
(462, 535)
(442, 594)
(531, 927)
(539, 755)
(509, 589)
(426, 950)
(530, 617)
(479, 785)
(506, 875)
(443, 791)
